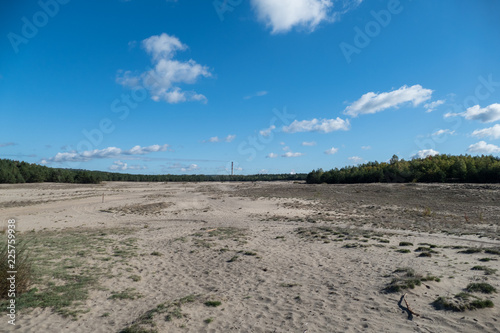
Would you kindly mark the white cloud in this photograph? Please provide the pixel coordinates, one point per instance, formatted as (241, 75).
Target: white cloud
(291, 154)
(184, 168)
(257, 94)
(483, 148)
(163, 46)
(263, 171)
(119, 165)
(191, 167)
(267, 131)
(443, 131)
(355, 159)
(331, 151)
(492, 132)
(487, 114)
(281, 16)
(138, 150)
(372, 102)
(433, 105)
(366, 147)
(286, 148)
(163, 80)
(315, 125)
(272, 155)
(110, 152)
(228, 138)
(309, 144)
(425, 152)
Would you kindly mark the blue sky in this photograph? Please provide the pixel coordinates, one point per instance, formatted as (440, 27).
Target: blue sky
(276, 86)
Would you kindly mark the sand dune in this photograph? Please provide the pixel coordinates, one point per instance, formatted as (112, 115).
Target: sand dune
(279, 257)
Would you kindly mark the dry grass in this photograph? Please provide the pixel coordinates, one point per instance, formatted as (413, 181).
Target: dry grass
(22, 264)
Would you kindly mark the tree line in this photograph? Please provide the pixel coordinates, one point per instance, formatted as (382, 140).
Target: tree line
(22, 172)
(439, 168)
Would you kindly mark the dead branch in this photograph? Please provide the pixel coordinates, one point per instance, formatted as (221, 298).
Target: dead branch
(409, 308)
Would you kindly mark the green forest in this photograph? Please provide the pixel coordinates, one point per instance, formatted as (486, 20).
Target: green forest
(438, 169)
(22, 172)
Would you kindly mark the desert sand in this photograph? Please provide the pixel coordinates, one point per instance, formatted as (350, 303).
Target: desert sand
(279, 257)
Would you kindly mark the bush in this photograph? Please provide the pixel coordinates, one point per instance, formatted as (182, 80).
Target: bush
(24, 275)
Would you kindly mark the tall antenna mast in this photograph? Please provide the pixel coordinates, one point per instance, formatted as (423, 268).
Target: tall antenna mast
(232, 169)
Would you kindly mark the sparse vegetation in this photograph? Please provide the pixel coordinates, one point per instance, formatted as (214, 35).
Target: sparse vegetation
(481, 287)
(461, 302)
(61, 276)
(471, 250)
(135, 278)
(406, 278)
(405, 244)
(172, 310)
(233, 259)
(128, 293)
(22, 265)
(212, 304)
(486, 270)
(492, 251)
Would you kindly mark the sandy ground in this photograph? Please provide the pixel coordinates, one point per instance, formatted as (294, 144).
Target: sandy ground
(279, 257)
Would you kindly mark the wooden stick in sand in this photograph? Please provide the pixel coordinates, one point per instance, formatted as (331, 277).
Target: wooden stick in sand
(408, 307)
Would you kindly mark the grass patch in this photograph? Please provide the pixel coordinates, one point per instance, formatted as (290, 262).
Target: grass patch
(471, 250)
(135, 278)
(208, 320)
(289, 285)
(425, 249)
(233, 259)
(406, 278)
(405, 244)
(492, 251)
(403, 251)
(146, 322)
(212, 304)
(22, 264)
(461, 302)
(486, 270)
(62, 275)
(485, 259)
(128, 293)
(481, 287)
